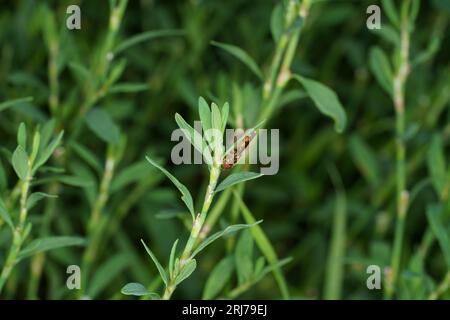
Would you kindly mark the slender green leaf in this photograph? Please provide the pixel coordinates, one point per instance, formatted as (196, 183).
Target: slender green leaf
(195, 138)
(75, 181)
(135, 172)
(218, 278)
(186, 195)
(391, 11)
(381, 68)
(440, 232)
(205, 114)
(37, 196)
(244, 257)
(277, 22)
(100, 123)
(50, 243)
(22, 136)
(365, 160)
(137, 289)
(87, 155)
(107, 273)
(272, 267)
(224, 112)
(264, 245)
(148, 35)
(4, 215)
(128, 87)
(216, 117)
(3, 180)
(48, 151)
(241, 55)
(219, 234)
(172, 257)
(186, 271)
(80, 73)
(428, 53)
(20, 162)
(325, 100)
(237, 178)
(11, 103)
(436, 164)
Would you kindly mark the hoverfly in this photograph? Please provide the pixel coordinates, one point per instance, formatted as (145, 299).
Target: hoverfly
(233, 156)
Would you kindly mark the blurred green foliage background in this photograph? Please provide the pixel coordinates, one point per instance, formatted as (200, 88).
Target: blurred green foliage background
(330, 186)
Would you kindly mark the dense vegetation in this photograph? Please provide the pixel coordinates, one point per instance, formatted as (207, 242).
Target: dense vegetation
(86, 118)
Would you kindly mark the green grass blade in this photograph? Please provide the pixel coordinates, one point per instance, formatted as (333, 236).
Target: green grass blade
(265, 246)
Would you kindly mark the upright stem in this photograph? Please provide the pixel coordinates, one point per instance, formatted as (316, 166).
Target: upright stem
(196, 229)
(402, 193)
(20, 231)
(282, 60)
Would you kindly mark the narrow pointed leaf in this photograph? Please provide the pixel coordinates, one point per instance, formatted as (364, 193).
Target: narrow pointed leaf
(241, 55)
(161, 270)
(205, 114)
(172, 257)
(218, 278)
(50, 243)
(381, 68)
(20, 162)
(137, 289)
(145, 36)
(4, 215)
(35, 197)
(264, 245)
(186, 271)
(219, 234)
(22, 136)
(237, 178)
(194, 137)
(325, 100)
(10, 103)
(185, 194)
(48, 151)
(102, 125)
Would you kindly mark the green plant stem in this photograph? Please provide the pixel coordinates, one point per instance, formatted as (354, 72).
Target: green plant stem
(95, 222)
(20, 232)
(402, 193)
(280, 67)
(196, 229)
(101, 66)
(442, 288)
(37, 262)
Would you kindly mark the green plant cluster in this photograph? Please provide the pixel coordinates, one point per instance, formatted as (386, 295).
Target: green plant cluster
(86, 118)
